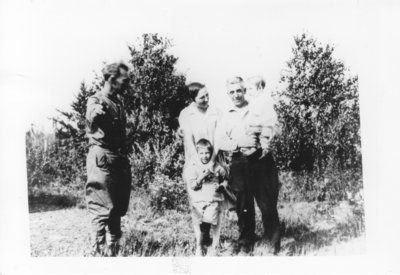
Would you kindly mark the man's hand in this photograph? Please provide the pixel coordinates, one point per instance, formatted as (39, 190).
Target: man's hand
(205, 173)
(97, 110)
(247, 141)
(265, 151)
(196, 186)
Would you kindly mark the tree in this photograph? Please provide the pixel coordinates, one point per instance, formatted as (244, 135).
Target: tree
(38, 163)
(69, 150)
(158, 92)
(318, 110)
(158, 95)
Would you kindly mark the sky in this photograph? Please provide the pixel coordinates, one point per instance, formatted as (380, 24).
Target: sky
(52, 46)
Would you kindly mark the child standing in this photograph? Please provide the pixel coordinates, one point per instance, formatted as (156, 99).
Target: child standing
(207, 190)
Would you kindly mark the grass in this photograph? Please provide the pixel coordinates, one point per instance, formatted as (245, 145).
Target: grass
(308, 228)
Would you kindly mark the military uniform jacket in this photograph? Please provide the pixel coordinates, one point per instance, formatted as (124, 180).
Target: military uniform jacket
(107, 130)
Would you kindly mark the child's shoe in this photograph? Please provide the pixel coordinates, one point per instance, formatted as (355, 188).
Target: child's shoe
(211, 251)
(113, 249)
(199, 251)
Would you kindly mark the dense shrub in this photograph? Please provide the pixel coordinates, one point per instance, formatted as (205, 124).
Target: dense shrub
(158, 93)
(53, 161)
(159, 171)
(319, 145)
(150, 160)
(318, 110)
(332, 185)
(38, 159)
(166, 193)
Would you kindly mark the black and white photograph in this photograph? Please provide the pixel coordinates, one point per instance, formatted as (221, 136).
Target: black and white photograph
(197, 132)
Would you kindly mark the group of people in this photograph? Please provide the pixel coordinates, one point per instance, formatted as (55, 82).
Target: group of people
(228, 162)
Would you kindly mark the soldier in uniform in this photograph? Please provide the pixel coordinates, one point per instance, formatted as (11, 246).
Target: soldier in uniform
(108, 170)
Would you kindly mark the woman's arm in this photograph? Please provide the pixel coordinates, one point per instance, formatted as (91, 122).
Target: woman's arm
(191, 144)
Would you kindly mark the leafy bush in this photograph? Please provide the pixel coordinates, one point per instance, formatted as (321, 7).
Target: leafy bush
(318, 110)
(39, 163)
(166, 193)
(150, 159)
(332, 185)
(158, 93)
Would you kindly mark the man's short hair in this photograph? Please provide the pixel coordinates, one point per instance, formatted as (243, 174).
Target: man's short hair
(204, 143)
(258, 81)
(113, 70)
(194, 88)
(235, 80)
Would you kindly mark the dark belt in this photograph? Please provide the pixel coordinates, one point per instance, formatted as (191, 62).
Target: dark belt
(241, 153)
(116, 150)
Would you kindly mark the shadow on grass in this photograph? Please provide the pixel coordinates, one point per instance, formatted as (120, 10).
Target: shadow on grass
(42, 202)
(143, 243)
(296, 241)
(154, 238)
(301, 240)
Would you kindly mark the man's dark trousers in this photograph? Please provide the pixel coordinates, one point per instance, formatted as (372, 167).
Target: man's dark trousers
(253, 178)
(107, 191)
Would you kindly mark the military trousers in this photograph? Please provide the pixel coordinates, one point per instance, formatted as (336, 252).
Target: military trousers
(107, 191)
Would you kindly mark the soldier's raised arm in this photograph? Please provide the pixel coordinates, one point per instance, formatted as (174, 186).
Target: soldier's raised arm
(94, 109)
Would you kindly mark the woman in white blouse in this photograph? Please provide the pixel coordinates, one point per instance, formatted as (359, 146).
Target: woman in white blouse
(198, 120)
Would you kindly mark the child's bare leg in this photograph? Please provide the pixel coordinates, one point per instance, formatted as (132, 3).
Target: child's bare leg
(198, 235)
(216, 231)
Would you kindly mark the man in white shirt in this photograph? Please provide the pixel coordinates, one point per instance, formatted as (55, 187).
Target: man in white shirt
(253, 173)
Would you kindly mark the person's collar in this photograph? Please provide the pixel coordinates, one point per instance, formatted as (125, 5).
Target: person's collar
(193, 109)
(233, 108)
